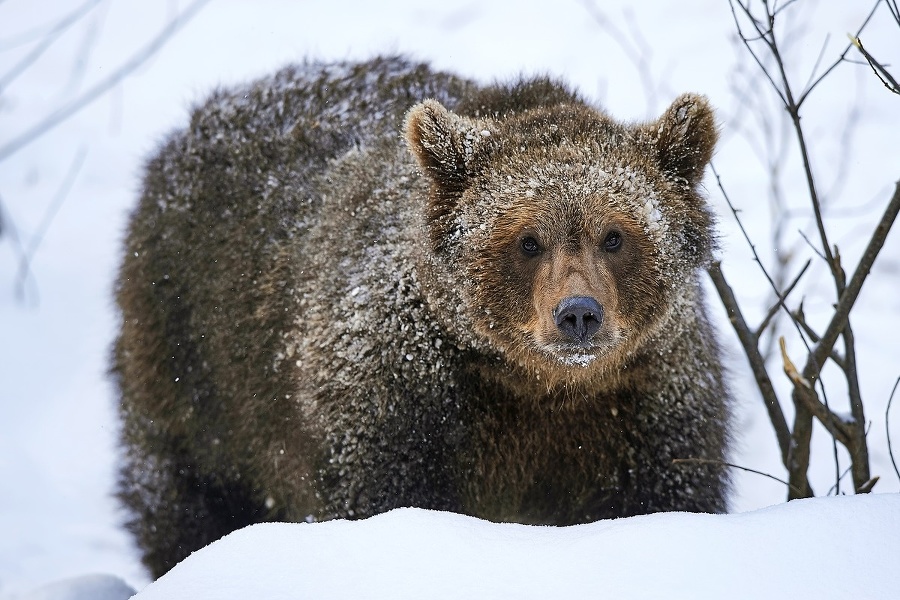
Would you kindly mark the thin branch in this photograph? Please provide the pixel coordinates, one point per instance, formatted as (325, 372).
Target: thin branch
(43, 31)
(733, 466)
(58, 200)
(814, 337)
(785, 92)
(9, 228)
(836, 487)
(48, 40)
(895, 12)
(811, 245)
(851, 292)
(880, 72)
(782, 7)
(887, 427)
(104, 86)
(757, 364)
(778, 294)
(746, 41)
(818, 62)
(638, 51)
(858, 448)
(865, 488)
(781, 299)
(806, 392)
(843, 56)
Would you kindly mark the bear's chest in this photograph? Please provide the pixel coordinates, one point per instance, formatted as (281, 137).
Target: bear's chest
(546, 463)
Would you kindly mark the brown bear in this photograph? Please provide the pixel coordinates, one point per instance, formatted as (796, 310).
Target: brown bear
(354, 287)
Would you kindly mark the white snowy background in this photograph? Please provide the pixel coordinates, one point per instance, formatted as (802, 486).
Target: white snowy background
(57, 410)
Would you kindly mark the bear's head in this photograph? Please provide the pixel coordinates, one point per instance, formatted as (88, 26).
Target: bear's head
(574, 237)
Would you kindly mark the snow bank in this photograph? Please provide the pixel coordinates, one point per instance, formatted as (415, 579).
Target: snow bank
(87, 587)
(845, 547)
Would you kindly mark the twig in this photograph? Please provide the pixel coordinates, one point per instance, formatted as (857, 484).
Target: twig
(757, 364)
(778, 294)
(880, 72)
(811, 245)
(60, 197)
(888, 429)
(733, 466)
(819, 58)
(9, 228)
(746, 41)
(853, 288)
(858, 448)
(46, 42)
(785, 92)
(80, 59)
(777, 306)
(639, 52)
(895, 12)
(867, 486)
(841, 58)
(835, 487)
(42, 31)
(104, 86)
(804, 389)
(814, 337)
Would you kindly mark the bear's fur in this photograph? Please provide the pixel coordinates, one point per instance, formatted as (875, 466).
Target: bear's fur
(498, 315)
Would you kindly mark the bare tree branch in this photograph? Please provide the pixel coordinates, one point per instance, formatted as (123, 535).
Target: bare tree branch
(9, 228)
(638, 51)
(58, 200)
(883, 75)
(757, 364)
(851, 292)
(800, 318)
(887, 427)
(733, 466)
(46, 42)
(104, 86)
(842, 58)
(804, 386)
(780, 302)
(41, 32)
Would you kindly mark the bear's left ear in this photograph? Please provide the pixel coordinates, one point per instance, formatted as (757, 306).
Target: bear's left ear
(685, 136)
(446, 145)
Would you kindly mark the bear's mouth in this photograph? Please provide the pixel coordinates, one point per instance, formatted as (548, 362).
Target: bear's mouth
(572, 355)
(581, 359)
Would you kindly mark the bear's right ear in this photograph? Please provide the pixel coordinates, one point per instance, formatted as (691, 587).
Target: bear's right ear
(685, 136)
(446, 145)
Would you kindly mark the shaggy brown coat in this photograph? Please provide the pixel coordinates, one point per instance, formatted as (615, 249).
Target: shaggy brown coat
(498, 315)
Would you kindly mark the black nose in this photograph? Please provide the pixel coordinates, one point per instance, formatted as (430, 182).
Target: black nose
(578, 317)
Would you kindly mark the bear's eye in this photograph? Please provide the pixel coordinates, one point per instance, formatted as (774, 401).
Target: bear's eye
(530, 246)
(613, 241)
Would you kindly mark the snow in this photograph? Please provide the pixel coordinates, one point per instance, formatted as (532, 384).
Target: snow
(805, 549)
(86, 587)
(57, 414)
(779, 552)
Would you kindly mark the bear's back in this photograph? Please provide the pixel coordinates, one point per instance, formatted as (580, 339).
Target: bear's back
(209, 278)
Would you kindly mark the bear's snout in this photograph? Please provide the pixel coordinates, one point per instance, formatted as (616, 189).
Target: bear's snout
(578, 317)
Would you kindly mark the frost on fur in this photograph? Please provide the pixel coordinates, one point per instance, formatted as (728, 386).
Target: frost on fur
(499, 315)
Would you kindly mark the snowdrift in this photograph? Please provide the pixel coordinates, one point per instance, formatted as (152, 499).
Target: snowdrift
(844, 547)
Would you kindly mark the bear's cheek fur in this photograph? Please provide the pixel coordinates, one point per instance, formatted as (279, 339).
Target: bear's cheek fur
(642, 289)
(499, 282)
